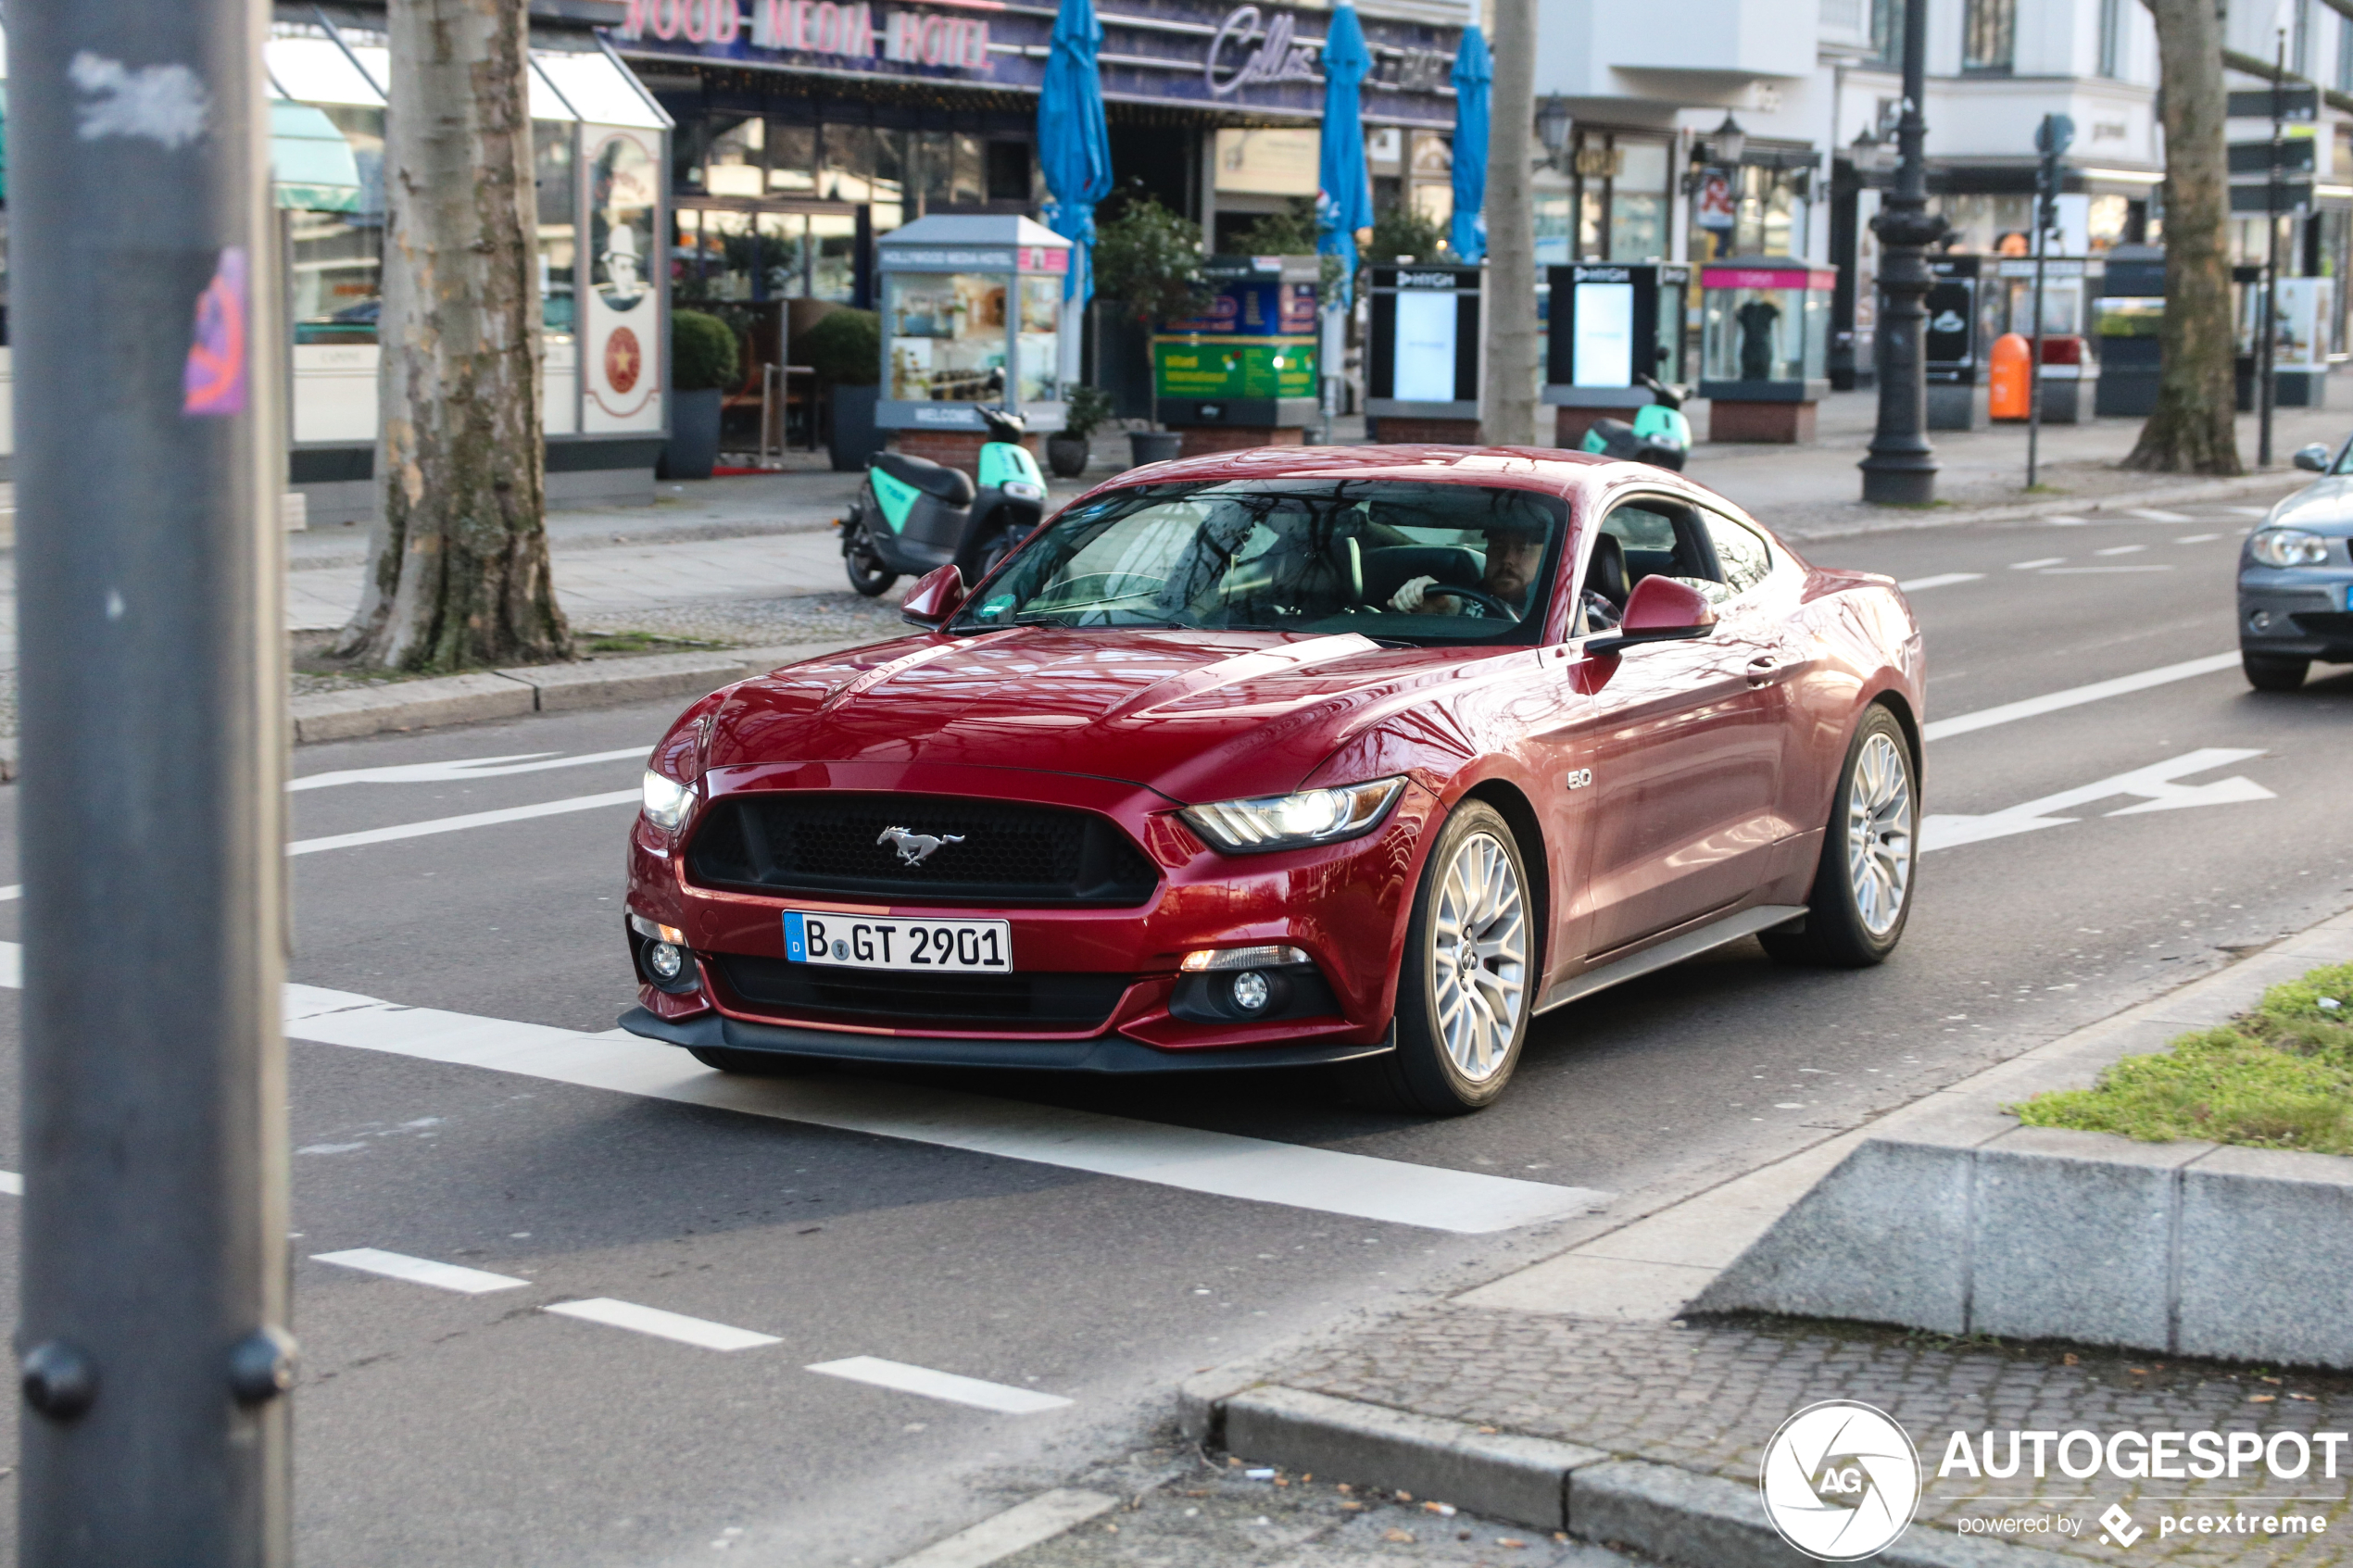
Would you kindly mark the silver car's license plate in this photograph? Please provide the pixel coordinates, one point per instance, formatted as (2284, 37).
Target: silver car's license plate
(863, 942)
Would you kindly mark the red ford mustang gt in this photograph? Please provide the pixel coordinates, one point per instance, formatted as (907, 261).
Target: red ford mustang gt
(1294, 756)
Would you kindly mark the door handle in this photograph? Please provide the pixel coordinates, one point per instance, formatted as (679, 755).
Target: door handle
(1763, 670)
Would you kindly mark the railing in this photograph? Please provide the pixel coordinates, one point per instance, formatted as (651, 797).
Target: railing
(774, 389)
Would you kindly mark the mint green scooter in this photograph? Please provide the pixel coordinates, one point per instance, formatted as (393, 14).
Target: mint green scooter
(913, 515)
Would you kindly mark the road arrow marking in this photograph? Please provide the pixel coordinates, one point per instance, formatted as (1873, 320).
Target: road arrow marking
(2154, 785)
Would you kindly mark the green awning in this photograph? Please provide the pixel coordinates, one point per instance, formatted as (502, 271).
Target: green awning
(310, 161)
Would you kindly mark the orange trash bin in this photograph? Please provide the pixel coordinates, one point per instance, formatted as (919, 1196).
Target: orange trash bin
(2008, 391)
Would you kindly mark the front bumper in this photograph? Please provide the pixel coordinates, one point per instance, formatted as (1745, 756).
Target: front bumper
(1109, 1053)
(2300, 612)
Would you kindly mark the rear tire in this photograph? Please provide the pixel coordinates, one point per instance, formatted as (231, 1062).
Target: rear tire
(1463, 998)
(868, 572)
(751, 1064)
(2270, 673)
(1863, 884)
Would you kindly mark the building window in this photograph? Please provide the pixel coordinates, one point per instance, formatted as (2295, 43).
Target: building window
(1989, 35)
(1887, 33)
(2111, 38)
(2299, 48)
(2345, 53)
(1616, 203)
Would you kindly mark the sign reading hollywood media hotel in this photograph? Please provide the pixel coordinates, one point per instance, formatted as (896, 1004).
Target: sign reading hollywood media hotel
(1210, 53)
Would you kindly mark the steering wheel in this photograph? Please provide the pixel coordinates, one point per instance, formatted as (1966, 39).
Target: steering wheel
(1479, 595)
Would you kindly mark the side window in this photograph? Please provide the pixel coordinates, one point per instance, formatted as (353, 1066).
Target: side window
(1739, 551)
(1663, 539)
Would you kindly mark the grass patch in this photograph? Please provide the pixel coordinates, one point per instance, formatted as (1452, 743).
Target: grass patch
(2280, 1076)
(643, 641)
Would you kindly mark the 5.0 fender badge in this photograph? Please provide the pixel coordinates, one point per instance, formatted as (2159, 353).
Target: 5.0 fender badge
(1580, 778)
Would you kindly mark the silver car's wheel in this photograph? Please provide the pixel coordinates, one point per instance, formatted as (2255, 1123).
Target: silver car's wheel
(1478, 956)
(1879, 833)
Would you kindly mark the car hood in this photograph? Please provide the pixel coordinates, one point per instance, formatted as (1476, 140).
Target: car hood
(2324, 507)
(1196, 715)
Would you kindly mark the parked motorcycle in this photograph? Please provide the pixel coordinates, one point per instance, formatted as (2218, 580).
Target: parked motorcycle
(1660, 434)
(913, 515)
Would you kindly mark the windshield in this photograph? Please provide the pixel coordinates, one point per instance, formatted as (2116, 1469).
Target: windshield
(1417, 564)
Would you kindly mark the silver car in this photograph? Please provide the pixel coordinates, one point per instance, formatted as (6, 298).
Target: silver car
(2296, 578)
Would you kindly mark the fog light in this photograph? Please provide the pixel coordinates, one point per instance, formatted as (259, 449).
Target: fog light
(1252, 991)
(665, 960)
(2260, 621)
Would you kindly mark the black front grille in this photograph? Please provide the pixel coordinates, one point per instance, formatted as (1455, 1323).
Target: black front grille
(1058, 1004)
(991, 852)
(2329, 623)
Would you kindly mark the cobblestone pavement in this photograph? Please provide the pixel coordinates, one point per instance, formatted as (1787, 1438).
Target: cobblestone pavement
(1707, 1395)
(1182, 1510)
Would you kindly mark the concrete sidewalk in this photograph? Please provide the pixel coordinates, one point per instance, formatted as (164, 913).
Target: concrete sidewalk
(1585, 1374)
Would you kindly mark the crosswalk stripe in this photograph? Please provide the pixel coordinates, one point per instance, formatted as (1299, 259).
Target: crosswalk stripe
(420, 1271)
(2156, 516)
(2075, 697)
(2248, 511)
(999, 1396)
(1941, 579)
(699, 1332)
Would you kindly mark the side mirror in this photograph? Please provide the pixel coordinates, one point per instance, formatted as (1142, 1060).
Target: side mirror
(2313, 458)
(932, 600)
(1659, 610)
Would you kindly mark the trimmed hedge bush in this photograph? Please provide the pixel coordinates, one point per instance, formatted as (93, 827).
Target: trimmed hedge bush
(844, 348)
(702, 352)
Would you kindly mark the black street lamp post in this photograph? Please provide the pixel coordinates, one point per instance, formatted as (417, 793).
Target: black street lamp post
(1901, 469)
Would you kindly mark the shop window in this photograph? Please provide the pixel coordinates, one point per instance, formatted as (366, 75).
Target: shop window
(1009, 171)
(336, 279)
(733, 167)
(1552, 229)
(1989, 36)
(552, 173)
(946, 333)
(833, 256)
(935, 174)
(970, 182)
(848, 172)
(2108, 219)
(2111, 37)
(893, 188)
(1638, 203)
(792, 159)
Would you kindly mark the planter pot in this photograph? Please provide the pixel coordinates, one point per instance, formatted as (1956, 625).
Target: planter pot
(1066, 455)
(853, 438)
(1154, 446)
(694, 435)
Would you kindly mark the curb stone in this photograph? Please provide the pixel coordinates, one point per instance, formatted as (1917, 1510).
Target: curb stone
(1673, 1514)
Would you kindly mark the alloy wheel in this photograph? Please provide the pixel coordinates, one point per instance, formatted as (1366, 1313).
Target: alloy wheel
(1478, 953)
(1879, 833)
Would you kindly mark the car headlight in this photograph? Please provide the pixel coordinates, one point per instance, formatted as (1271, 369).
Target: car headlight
(2288, 547)
(666, 801)
(1292, 821)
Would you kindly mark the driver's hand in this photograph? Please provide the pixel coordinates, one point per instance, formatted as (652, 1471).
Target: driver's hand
(1409, 599)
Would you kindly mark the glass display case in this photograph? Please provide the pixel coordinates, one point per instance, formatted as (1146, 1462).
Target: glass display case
(1763, 346)
(971, 313)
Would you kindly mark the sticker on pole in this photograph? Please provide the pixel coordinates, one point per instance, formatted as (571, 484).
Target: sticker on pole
(214, 382)
(1840, 1481)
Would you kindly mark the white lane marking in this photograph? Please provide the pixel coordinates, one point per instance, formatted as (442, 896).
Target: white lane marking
(1221, 1164)
(455, 825)
(2248, 511)
(999, 1396)
(434, 825)
(2121, 550)
(2154, 516)
(699, 1332)
(2075, 697)
(463, 769)
(2154, 785)
(12, 1184)
(2036, 564)
(1018, 1528)
(420, 1271)
(2056, 520)
(1941, 579)
(2197, 539)
(2097, 570)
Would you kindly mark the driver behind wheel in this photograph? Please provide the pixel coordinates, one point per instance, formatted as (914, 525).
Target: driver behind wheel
(1514, 557)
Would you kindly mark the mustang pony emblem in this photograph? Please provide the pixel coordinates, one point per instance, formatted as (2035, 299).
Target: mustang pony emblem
(914, 848)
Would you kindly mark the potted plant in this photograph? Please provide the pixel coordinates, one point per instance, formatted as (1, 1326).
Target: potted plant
(844, 348)
(703, 361)
(1149, 260)
(1083, 412)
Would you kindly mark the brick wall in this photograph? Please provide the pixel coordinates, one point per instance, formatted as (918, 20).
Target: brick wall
(1398, 432)
(1786, 423)
(1201, 440)
(954, 448)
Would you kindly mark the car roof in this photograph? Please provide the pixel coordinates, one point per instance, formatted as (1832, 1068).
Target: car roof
(1551, 470)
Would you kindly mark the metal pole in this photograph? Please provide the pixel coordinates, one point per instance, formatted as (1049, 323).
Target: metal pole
(1901, 469)
(147, 346)
(2035, 366)
(2265, 370)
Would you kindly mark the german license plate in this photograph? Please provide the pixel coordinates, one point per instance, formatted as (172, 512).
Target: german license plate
(863, 942)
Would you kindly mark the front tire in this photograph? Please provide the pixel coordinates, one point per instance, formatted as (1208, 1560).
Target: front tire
(2270, 673)
(1462, 1002)
(868, 571)
(1863, 884)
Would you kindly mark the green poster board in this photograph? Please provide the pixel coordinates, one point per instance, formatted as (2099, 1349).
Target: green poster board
(1215, 366)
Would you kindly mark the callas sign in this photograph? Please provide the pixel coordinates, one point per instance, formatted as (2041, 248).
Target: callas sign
(1261, 57)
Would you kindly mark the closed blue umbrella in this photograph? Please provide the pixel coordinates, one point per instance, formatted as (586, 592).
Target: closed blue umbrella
(1073, 146)
(1474, 71)
(1344, 201)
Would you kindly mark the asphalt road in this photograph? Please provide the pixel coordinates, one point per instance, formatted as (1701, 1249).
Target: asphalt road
(967, 1225)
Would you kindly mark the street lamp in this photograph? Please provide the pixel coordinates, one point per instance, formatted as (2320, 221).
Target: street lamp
(1901, 469)
(1869, 153)
(1728, 141)
(1552, 127)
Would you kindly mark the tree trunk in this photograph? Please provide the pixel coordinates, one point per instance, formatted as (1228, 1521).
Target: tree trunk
(458, 570)
(2192, 429)
(1507, 398)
